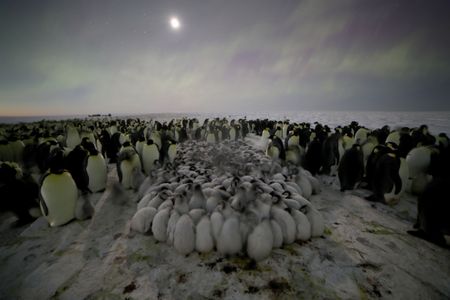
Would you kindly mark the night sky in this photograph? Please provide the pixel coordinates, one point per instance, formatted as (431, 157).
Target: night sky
(80, 57)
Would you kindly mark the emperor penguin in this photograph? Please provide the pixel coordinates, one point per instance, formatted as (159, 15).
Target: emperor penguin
(204, 240)
(96, 169)
(230, 240)
(393, 137)
(142, 219)
(17, 147)
(302, 225)
(260, 241)
(294, 154)
(140, 145)
(198, 198)
(171, 225)
(72, 137)
(172, 151)
(76, 162)
(211, 136)
(159, 224)
(313, 157)
(418, 161)
(156, 137)
(150, 154)
(128, 162)
(286, 223)
(351, 168)
(278, 132)
(275, 148)
(264, 141)
(277, 234)
(58, 192)
(19, 192)
(385, 176)
(361, 135)
(184, 237)
(285, 128)
(233, 133)
(433, 207)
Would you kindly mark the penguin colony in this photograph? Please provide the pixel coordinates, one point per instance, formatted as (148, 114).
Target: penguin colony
(183, 160)
(230, 197)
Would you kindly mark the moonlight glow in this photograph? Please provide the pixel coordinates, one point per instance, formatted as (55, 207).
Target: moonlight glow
(175, 23)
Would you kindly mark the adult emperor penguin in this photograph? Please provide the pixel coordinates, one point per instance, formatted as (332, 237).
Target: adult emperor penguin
(58, 192)
(313, 157)
(19, 192)
(72, 137)
(275, 148)
(172, 151)
(386, 178)
(433, 207)
(351, 168)
(168, 151)
(76, 162)
(419, 161)
(95, 168)
(150, 154)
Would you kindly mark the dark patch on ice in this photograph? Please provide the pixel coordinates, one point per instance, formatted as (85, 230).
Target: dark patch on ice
(369, 265)
(252, 290)
(363, 241)
(251, 265)
(218, 293)
(129, 288)
(227, 269)
(181, 278)
(278, 286)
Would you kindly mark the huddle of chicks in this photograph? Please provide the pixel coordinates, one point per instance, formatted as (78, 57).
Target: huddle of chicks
(229, 197)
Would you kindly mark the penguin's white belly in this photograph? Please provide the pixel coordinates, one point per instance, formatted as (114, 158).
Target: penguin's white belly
(210, 138)
(404, 175)
(273, 152)
(96, 169)
(172, 153)
(60, 194)
(73, 139)
(150, 153)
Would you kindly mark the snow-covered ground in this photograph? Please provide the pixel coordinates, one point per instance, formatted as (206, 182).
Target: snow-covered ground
(364, 254)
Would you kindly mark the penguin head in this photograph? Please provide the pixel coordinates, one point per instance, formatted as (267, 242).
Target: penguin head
(276, 197)
(56, 161)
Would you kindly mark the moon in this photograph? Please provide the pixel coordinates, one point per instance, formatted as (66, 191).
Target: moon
(175, 23)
